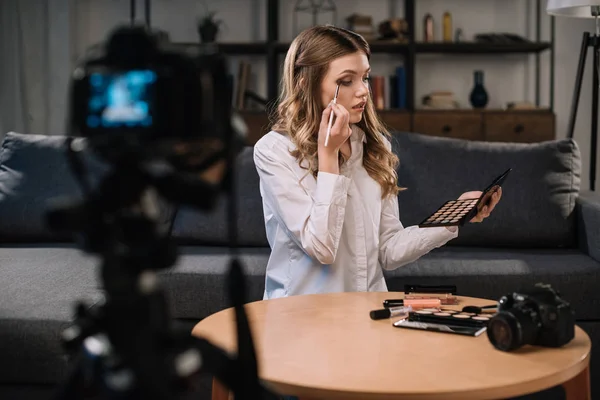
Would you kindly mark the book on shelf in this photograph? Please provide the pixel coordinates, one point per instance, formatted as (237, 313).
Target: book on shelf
(242, 83)
(389, 92)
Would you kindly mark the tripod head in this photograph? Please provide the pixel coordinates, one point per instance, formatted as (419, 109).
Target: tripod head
(163, 122)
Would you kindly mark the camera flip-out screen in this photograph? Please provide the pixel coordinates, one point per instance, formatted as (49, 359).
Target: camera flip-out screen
(121, 99)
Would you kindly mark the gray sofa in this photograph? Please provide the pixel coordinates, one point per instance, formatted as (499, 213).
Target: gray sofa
(544, 230)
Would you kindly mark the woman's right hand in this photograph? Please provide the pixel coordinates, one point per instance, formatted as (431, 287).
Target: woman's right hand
(340, 130)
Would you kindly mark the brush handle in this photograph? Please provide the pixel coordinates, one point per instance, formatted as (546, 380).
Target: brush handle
(329, 128)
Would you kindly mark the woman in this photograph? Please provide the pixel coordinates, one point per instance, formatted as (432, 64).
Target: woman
(331, 212)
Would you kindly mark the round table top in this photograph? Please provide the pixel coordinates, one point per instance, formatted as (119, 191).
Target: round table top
(326, 346)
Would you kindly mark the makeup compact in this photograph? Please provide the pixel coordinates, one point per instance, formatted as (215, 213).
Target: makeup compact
(457, 212)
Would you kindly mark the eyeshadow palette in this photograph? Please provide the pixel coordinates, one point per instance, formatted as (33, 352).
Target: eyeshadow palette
(457, 212)
(429, 326)
(450, 317)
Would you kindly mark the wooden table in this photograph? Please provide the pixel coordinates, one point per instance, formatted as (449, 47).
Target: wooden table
(326, 347)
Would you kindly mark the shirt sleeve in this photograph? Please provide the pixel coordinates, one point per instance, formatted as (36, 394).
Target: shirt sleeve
(398, 245)
(313, 220)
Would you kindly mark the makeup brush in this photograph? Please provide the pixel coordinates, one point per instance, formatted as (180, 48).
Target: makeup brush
(337, 89)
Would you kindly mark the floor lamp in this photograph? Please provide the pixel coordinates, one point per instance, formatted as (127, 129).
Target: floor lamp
(583, 9)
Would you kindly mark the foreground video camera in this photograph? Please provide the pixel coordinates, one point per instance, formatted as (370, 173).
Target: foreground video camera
(143, 98)
(162, 121)
(537, 316)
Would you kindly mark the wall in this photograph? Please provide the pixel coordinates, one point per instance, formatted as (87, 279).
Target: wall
(507, 77)
(568, 43)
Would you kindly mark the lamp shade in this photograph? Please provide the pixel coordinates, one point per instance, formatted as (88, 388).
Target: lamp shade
(572, 8)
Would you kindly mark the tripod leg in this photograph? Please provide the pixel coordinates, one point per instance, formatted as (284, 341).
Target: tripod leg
(594, 135)
(578, 80)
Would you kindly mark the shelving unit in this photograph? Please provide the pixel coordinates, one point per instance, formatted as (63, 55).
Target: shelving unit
(527, 123)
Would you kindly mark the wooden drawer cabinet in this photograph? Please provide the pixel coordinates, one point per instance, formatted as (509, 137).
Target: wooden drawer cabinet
(396, 120)
(460, 125)
(518, 126)
(492, 125)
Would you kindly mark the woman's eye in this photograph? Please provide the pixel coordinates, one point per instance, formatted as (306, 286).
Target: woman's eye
(346, 83)
(366, 79)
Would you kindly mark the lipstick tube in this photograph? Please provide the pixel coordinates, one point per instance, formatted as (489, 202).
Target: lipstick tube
(414, 303)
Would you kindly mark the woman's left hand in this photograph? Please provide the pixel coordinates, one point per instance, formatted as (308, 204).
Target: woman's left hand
(486, 209)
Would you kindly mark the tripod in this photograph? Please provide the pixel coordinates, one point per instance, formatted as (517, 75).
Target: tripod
(594, 42)
(124, 347)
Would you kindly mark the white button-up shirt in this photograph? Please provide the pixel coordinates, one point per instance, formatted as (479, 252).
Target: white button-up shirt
(334, 233)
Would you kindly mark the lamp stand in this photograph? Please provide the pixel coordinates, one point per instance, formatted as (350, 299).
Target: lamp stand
(594, 42)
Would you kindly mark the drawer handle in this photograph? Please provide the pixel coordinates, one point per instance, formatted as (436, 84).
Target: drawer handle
(519, 128)
(446, 129)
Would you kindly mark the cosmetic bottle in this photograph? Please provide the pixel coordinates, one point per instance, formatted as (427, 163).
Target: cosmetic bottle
(447, 24)
(428, 28)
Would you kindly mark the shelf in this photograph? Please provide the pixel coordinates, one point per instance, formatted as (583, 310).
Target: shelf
(388, 47)
(249, 48)
(541, 110)
(233, 48)
(376, 47)
(481, 48)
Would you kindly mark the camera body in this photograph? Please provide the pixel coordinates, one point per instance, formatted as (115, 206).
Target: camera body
(535, 316)
(144, 99)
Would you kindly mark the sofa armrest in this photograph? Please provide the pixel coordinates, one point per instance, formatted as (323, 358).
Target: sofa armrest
(588, 223)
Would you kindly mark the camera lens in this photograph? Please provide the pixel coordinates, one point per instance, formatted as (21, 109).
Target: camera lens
(509, 330)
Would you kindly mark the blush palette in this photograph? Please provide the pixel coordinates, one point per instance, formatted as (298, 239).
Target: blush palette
(457, 212)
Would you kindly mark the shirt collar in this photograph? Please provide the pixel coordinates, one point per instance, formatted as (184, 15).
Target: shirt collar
(357, 134)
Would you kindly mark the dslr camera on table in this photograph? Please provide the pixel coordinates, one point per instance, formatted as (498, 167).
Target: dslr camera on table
(161, 119)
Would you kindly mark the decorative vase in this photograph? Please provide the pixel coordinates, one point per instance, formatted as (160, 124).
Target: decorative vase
(479, 96)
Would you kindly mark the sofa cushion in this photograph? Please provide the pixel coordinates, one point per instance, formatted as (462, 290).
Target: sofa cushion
(39, 285)
(538, 199)
(192, 226)
(33, 172)
(33, 169)
(197, 284)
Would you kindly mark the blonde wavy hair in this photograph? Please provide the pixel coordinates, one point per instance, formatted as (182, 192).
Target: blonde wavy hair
(299, 111)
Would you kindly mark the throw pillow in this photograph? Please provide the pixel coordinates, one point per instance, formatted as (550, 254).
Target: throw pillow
(536, 209)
